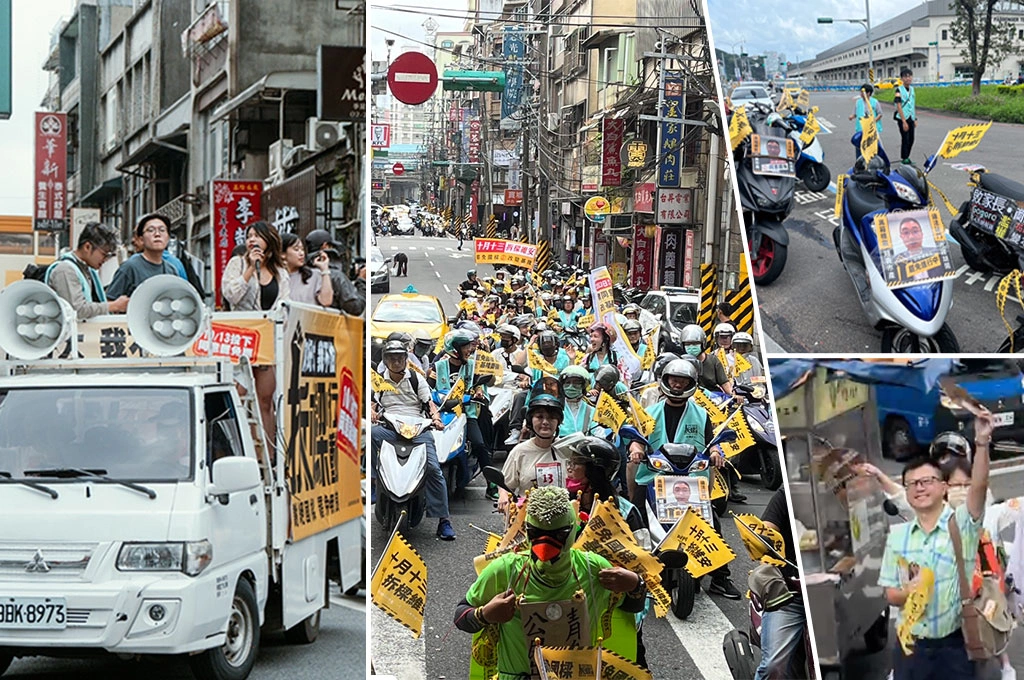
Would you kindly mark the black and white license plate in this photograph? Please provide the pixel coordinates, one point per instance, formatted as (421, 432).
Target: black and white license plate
(39, 613)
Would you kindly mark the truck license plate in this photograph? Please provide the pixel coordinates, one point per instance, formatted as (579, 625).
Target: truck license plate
(38, 613)
(1003, 419)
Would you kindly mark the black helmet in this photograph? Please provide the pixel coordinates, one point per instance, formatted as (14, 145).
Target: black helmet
(607, 377)
(471, 273)
(547, 339)
(546, 393)
(395, 347)
(599, 454)
(402, 337)
(663, 360)
(679, 369)
(949, 443)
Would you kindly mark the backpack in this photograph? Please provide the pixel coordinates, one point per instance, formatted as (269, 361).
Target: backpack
(986, 620)
(34, 272)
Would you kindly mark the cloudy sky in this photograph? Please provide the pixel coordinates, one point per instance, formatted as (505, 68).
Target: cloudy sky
(791, 27)
(33, 22)
(410, 23)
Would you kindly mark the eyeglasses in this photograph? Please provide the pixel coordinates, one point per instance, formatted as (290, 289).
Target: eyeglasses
(155, 231)
(107, 254)
(921, 483)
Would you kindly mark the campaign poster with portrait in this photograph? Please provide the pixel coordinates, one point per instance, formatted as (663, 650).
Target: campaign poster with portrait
(912, 247)
(775, 156)
(674, 493)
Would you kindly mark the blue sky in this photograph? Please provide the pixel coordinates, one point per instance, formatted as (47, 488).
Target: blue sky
(791, 27)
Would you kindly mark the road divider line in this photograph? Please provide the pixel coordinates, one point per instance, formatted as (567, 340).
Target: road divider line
(992, 281)
(701, 635)
(438, 274)
(447, 289)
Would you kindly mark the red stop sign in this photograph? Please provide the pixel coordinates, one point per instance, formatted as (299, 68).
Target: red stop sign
(398, 168)
(412, 78)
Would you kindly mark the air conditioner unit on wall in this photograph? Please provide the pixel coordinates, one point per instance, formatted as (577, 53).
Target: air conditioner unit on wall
(323, 134)
(278, 151)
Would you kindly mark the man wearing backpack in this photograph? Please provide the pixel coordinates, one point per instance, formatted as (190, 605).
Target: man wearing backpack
(75, 276)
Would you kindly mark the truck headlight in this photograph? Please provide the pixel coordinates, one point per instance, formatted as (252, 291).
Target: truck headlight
(190, 558)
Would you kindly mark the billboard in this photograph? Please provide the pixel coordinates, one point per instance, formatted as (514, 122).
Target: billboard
(48, 189)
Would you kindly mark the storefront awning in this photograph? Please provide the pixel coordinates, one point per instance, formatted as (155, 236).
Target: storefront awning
(278, 80)
(102, 191)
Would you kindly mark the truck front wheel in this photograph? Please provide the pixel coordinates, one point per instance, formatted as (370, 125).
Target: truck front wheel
(306, 631)
(235, 659)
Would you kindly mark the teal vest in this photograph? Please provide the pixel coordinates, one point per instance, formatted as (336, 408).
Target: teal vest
(689, 431)
(101, 296)
(561, 361)
(444, 381)
(578, 423)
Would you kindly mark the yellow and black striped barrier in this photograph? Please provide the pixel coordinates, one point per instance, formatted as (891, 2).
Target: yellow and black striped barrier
(491, 230)
(708, 296)
(742, 306)
(543, 260)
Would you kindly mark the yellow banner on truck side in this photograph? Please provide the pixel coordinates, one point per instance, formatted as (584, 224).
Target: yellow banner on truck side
(500, 251)
(322, 410)
(963, 138)
(399, 586)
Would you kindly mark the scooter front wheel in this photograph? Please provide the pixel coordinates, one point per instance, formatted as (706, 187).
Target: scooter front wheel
(899, 340)
(683, 594)
(815, 176)
(769, 261)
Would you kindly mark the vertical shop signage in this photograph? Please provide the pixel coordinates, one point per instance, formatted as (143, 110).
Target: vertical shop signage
(643, 258)
(612, 132)
(671, 133)
(671, 247)
(688, 259)
(236, 205)
(51, 172)
(513, 51)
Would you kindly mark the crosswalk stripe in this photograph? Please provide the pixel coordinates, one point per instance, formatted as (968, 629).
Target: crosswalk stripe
(701, 635)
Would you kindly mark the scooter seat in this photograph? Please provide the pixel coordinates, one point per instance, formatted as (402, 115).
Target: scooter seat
(998, 184)
(862, 201)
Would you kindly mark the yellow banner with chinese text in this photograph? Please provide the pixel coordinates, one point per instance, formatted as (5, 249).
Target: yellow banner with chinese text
(399, 586)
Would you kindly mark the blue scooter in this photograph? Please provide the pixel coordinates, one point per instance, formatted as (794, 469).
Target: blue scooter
(810, 164)
(912, 319)
(452, 446)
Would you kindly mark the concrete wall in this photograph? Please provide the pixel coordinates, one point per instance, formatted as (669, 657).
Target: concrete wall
(174, 72)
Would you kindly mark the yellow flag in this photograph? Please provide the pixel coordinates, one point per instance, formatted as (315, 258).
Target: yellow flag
(379, 384)
(608, 413)
(811, 127)
(608, 535)
(803, 99)
(539, 363)
(439, 347)
(564, 663)
(719, 488)
(458, 391)
(869, 138)
(840, 189)
(492, 543)
(644, 422)
(705, 548)
(737, 422)
(417, 368)
(785, 101)
(469, 306)
(740, 364)
(750, 527)
(963, 138)
(508, 288)
(614, 666)
(739, 127)
(399, 586)
(913, 609)
(485, 364)
(704, 401)
(585, 321)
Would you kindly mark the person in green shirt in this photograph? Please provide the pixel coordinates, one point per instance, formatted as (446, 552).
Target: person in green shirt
(550, 571)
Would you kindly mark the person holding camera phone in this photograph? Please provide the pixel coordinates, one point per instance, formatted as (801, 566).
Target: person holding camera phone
(310, 276)
(347, 297)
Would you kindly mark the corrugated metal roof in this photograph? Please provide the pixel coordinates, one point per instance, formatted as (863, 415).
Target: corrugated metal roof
(15, 224)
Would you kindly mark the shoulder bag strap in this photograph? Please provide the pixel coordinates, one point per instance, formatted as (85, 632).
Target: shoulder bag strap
(958, 548)
(969, 622)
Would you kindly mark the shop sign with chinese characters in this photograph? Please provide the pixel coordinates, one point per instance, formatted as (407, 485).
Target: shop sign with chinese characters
(612, 132)
(236, 205)
(49, 191)
(675, 206)
(643, 197)
(671, 133)
(643, 258)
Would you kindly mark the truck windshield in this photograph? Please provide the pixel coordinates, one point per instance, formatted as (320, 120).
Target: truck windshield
(124, 433)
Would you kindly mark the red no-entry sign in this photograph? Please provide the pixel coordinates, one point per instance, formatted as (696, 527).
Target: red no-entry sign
(398, 168)
(412, 78)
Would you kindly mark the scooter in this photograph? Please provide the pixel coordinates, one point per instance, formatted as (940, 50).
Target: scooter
(810, 164)
(401, 469)
(452, 449)
(976, 227)
(766, 201)
(912, 319)
(763, 458)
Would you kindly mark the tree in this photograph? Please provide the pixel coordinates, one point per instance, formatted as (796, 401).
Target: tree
(981, 41)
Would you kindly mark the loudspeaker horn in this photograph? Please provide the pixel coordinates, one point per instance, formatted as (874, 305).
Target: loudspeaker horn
(33, 320)
(165, 315)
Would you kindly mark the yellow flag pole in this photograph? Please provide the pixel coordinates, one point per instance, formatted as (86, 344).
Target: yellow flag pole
(766, 542)
(394, 533)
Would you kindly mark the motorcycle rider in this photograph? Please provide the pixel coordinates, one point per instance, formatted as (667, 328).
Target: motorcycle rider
(547, 344)
(551, 570)
(456, 363)
(471, 282)
(743, 343)
(631, 311)
(568, 314)
(680, 420)
(511, 356)
(714, 375)
(411, 397)
(600, 352)
(534, 462)
(575, 382)
(634, 333)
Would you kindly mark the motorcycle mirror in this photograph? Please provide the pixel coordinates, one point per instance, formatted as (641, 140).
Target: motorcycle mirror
(494, 476)
(891, 509)
(724, 437)
(673, 559)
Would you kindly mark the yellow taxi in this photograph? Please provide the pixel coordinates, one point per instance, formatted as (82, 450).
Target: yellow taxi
(406, 312)
(888, 84)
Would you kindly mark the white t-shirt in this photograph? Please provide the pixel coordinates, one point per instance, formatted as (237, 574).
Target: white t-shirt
(520, 467)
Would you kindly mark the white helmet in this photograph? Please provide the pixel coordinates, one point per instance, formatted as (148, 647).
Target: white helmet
(509, 329)
(679, 369)
(742, 337)
(724, 329)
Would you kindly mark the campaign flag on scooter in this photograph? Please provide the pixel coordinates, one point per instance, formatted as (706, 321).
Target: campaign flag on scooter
(963, 138)
(803, 99)
(737, 422)
(716, 414)
(607, 534)
(869, 138)
(785, 101)
(719, 487)
(379, 384)
(644, 422)
(608, 413)
(399, 584)
(740, 364)
(739, 127)
(763, 543)
(913, 608)
(811, 127)
(704, 547)
(458, 391)
(539, 363)
(486, 364)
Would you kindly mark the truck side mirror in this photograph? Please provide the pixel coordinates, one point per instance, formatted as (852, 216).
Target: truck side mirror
(233, 474)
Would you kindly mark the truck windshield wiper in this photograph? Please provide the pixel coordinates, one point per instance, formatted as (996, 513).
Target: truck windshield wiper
(95, 474)
(5, 478)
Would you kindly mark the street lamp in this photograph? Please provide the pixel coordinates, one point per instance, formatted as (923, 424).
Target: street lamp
(866, 23)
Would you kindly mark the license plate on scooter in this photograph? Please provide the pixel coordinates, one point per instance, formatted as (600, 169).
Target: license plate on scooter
(1003, 419)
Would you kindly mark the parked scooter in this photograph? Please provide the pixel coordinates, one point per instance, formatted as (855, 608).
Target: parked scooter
(810, 164)
(912, 319)
(766, 200)
(976, 227)
(452, 449)
(401, 469)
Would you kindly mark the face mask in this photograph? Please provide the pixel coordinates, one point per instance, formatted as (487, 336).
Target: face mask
(693, 350)
(956, 495)
(575, 486)
(573, 391)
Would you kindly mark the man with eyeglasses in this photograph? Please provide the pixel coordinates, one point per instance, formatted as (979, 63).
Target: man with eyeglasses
(154, 233)
(926, 541)
(75, 276)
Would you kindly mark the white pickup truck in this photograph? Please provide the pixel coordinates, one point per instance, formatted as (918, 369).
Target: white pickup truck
(141, 510)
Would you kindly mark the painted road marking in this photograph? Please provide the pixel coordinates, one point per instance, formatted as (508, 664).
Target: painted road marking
(701, 635)
(992, 281)
(438, 274)
(826, 123)
(447, 289)
(355, 604)
(974, 277)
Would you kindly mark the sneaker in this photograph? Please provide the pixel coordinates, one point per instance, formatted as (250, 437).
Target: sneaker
(906, 161)
(513, 439)
(492, 491)
(737, 497)
(445, 531)
(724, 587)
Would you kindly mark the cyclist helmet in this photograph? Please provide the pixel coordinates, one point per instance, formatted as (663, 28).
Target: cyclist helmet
(679, 369)
(545, 394)
(547, 340)
(949, 443)
(471, 273)
(395, 347)
(609, 334)
(402, 337)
